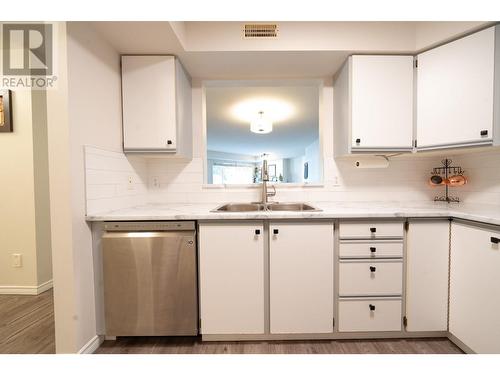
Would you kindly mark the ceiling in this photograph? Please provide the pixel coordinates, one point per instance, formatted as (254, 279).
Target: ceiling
(229, 112)
(217, 50)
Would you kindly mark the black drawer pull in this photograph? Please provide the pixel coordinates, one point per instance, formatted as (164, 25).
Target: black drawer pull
(484, 133)
(257, 231)
(372, 269)
(275, 231)
(495, 240)
(373, 230)
(169, 142)
(372, 307)
(373, 249)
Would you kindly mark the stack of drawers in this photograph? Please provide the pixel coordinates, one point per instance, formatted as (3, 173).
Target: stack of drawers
(370, 276)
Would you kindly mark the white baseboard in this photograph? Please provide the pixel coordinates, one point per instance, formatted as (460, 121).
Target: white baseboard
(26, 290)
(43, 287)
(92, 345)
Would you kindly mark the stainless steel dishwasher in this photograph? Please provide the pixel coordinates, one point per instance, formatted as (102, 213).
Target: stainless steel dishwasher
(149, 274)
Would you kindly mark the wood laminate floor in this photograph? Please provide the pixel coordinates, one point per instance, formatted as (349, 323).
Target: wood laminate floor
(190, 345)
(27, 324)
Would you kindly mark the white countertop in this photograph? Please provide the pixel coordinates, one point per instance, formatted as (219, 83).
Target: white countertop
(330, 210)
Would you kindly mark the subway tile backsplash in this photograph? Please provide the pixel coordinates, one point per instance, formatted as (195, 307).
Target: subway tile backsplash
(115, 181)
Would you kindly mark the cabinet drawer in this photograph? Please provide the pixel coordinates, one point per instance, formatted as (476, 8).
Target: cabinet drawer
(371, 229)
(370, 249)
(370, 278)
(363, 315)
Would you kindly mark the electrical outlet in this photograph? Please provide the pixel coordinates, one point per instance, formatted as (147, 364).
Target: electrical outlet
(17, 260)
(155, 182)
(130, 183)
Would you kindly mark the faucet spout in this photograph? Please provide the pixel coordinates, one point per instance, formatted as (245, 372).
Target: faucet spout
(265, 180)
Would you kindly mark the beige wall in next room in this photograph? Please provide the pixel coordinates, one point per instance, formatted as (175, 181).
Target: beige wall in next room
(24, 202)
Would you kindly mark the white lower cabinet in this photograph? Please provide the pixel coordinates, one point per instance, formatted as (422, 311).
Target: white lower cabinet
(427, 275)
(366, 278)
(367, 315)
(231, 268)
(475, 287)
(370, 276)
(301, 277)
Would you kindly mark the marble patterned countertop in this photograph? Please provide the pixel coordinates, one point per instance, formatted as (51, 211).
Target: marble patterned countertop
(489, 214)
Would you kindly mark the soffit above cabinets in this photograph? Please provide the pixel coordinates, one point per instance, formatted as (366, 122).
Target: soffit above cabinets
(219, 50)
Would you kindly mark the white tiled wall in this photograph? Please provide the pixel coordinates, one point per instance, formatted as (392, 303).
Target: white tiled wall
(107, 175)
(483, 172)
(404, 179)
(178, 181)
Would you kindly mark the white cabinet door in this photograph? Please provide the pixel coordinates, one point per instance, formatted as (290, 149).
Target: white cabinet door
(382, 102)
(301, 277)
(427, 276)
(231, 266)
(455, 92)
(475, 288)
(149, 103)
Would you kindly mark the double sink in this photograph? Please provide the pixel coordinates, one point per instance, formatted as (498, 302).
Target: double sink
(271, 206)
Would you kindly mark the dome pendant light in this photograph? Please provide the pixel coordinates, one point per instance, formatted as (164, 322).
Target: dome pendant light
(261, 125)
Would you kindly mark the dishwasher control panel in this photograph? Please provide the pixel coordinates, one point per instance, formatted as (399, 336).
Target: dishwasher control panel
(148, 226)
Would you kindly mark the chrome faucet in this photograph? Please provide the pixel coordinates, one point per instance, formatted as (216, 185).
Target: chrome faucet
(265, 179)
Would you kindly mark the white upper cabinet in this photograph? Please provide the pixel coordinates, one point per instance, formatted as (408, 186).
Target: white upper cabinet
(156, 99)
(456, 92)
(373, 105)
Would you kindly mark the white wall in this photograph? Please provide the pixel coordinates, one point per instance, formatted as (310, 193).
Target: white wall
(404, 179)
(483, 172)
(114, 181)
(85, 109)
(429, 34)
(94, 114)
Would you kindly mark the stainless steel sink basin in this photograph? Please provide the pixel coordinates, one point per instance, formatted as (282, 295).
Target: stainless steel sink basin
(240, 207)
(291, 207)
(273, 206)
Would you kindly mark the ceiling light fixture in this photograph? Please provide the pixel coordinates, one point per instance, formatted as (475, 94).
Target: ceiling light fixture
(276, 109)
(261, 125)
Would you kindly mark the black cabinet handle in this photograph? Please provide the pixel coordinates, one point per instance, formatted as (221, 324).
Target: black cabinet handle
(373, 249)
(373, 230)
(169, 142)
(358, 140)
(372, 307)
(275, 231)
(372, 269)
(495, 240)
(484, 133)
(257, 231)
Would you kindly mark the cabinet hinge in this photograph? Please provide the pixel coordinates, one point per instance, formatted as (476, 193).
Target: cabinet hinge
(405, 321)
(333, 322)
(416, 63)
(415, 143)
(407, 225)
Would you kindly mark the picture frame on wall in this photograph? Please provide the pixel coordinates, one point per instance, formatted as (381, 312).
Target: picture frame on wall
(6, 125)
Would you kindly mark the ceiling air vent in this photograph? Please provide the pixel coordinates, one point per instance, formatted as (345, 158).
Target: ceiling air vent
(260, 31)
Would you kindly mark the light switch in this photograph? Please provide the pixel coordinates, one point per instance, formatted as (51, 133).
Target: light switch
(17, 260)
